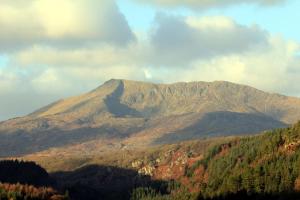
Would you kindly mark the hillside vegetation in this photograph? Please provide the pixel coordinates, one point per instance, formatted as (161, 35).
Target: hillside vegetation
(28, 192)
(21, 180)
(266, 166)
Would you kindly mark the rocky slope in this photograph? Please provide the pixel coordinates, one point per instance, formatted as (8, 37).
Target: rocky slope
(122, 113)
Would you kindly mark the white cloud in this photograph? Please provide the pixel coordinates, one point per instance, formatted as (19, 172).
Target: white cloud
(7, 80)
(50, 81)
(102, 56)
(177, 41)
(61, 23)
(148, 74)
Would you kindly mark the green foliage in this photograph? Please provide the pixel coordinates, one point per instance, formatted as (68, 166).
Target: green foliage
(258, 167)
(150, 194)
(143, 193)
(260, 164)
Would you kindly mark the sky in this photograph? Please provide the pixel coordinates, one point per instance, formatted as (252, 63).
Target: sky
(53, 49)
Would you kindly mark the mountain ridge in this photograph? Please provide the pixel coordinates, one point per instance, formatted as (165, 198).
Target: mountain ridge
(141, 112)
(176, 90)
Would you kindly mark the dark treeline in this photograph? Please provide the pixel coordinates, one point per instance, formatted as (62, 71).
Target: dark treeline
(14, 171)
(26, 180)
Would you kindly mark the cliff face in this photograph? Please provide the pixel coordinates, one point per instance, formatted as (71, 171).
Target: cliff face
(144, 113)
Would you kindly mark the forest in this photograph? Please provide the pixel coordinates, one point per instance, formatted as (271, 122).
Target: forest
(265, 166)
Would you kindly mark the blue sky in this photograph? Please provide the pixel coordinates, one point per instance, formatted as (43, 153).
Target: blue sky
(49, 52)
(281, 19)
(3, 61)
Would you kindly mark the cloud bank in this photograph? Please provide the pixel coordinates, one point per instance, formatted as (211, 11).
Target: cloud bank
(180, 41)
(61, 23)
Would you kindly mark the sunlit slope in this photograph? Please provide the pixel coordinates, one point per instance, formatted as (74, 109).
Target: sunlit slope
(146, 113)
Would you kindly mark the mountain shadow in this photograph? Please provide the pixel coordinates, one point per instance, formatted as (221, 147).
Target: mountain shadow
(116, 107)
(223, 123)
(97, 182)
(93, 182)
(22, 143)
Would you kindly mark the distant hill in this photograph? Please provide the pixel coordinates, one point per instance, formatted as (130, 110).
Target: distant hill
(129, 114)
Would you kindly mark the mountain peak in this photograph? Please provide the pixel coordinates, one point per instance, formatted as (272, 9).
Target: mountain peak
(126, 81)
(155, 100)
(123, 108)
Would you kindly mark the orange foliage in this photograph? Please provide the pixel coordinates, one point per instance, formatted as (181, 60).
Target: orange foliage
(297, 184)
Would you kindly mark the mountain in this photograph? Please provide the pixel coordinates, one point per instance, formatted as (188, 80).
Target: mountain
(130, 114)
